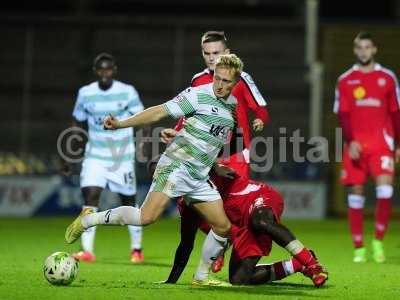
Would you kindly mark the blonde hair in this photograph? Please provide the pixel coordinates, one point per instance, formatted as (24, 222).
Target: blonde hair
(232, 62)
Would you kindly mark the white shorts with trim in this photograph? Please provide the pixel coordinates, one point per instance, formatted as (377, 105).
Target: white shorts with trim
(173, 179)
(122, 180)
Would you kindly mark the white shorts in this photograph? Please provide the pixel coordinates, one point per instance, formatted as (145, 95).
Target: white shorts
(173, 179)
(122, 180)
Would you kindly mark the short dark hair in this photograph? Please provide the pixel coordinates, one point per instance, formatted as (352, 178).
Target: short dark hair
(101, 57)
(364, 35)
(214, 36)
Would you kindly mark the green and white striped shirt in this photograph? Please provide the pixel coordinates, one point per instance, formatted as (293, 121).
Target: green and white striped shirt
(93, 105)
(208, 126)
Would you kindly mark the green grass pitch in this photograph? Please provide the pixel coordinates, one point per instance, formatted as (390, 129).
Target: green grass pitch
(25, 243)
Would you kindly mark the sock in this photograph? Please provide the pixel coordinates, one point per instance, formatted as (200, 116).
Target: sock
(276, 271)
(87, 238)
(123, 215)
(384, 194)
(300, 253)
(135, 232)
(356, 219)
(212, 246)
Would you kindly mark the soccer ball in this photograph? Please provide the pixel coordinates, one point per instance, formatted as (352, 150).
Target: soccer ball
(60, 268)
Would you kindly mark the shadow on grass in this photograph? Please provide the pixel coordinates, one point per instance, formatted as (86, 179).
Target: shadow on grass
(127, 263)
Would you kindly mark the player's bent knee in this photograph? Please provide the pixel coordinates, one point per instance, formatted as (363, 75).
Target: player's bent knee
(222, 229)
(147, 218)
(356, 189)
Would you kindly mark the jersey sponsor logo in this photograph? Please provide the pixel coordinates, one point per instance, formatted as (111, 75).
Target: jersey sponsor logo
(381, 82)
(359, 93)
(371, 102)
(220, 131)
(353, 82)
(214, 110)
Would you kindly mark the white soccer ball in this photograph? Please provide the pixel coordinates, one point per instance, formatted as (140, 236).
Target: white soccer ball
(60, 268)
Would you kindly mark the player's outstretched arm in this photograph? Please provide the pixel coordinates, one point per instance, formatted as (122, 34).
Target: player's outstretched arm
(148, 116)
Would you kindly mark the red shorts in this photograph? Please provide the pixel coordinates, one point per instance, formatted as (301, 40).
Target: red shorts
(376, 163)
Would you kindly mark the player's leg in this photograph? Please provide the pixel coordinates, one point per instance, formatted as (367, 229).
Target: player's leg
(135, 232)
(91, 196)
(355, 215)
(354, 176)
(149, 212)
(214, 214)
(164, 187)
(382, 168)
(247, 272)
(264, 221)
(92, 181)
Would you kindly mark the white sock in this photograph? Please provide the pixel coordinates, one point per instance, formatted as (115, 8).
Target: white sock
(87, 238)
(135, 232)
(212, 246)
(123, 215)
(288, 267)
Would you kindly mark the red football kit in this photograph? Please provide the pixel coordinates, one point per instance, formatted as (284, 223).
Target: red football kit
(241, 196)
(368, 106)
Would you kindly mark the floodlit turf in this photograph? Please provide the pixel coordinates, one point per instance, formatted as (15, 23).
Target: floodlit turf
(25, 243)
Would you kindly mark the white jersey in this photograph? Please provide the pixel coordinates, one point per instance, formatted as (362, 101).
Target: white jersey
(208, 126)
(93, 105)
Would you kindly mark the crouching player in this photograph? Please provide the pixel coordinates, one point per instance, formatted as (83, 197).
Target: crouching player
(254, 210)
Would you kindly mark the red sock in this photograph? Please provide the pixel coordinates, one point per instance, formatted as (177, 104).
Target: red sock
(382, 216)
(355, 216)
(285, 268)
(278, 270)
(305, 258)
(297, 266)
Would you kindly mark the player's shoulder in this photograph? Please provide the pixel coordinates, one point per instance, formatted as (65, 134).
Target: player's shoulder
(246, 77)
(386, 72)
(123, 86)
(89, 88)
(201, 75)
(347, 74)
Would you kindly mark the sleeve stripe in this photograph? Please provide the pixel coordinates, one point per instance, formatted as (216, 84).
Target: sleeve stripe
(260, 101)
(336, 102)
(393, 76)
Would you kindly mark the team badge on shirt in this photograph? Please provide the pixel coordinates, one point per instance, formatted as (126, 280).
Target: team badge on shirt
(381, 81)
(359, 93)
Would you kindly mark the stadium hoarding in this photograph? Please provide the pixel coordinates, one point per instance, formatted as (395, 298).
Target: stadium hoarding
(54, 195)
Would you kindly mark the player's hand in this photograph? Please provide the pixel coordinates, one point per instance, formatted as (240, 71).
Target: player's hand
(224, 171)
(168, 134)
(258, 125)
(355, 150)
(110, 123)
(397, 155)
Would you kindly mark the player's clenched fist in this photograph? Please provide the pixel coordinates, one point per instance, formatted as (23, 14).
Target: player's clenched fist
(110, 123)
(167, 135)
(258, 125)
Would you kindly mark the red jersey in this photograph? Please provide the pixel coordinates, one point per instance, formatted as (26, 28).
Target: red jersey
(369, 99)
(248, 97)
(242, 195)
